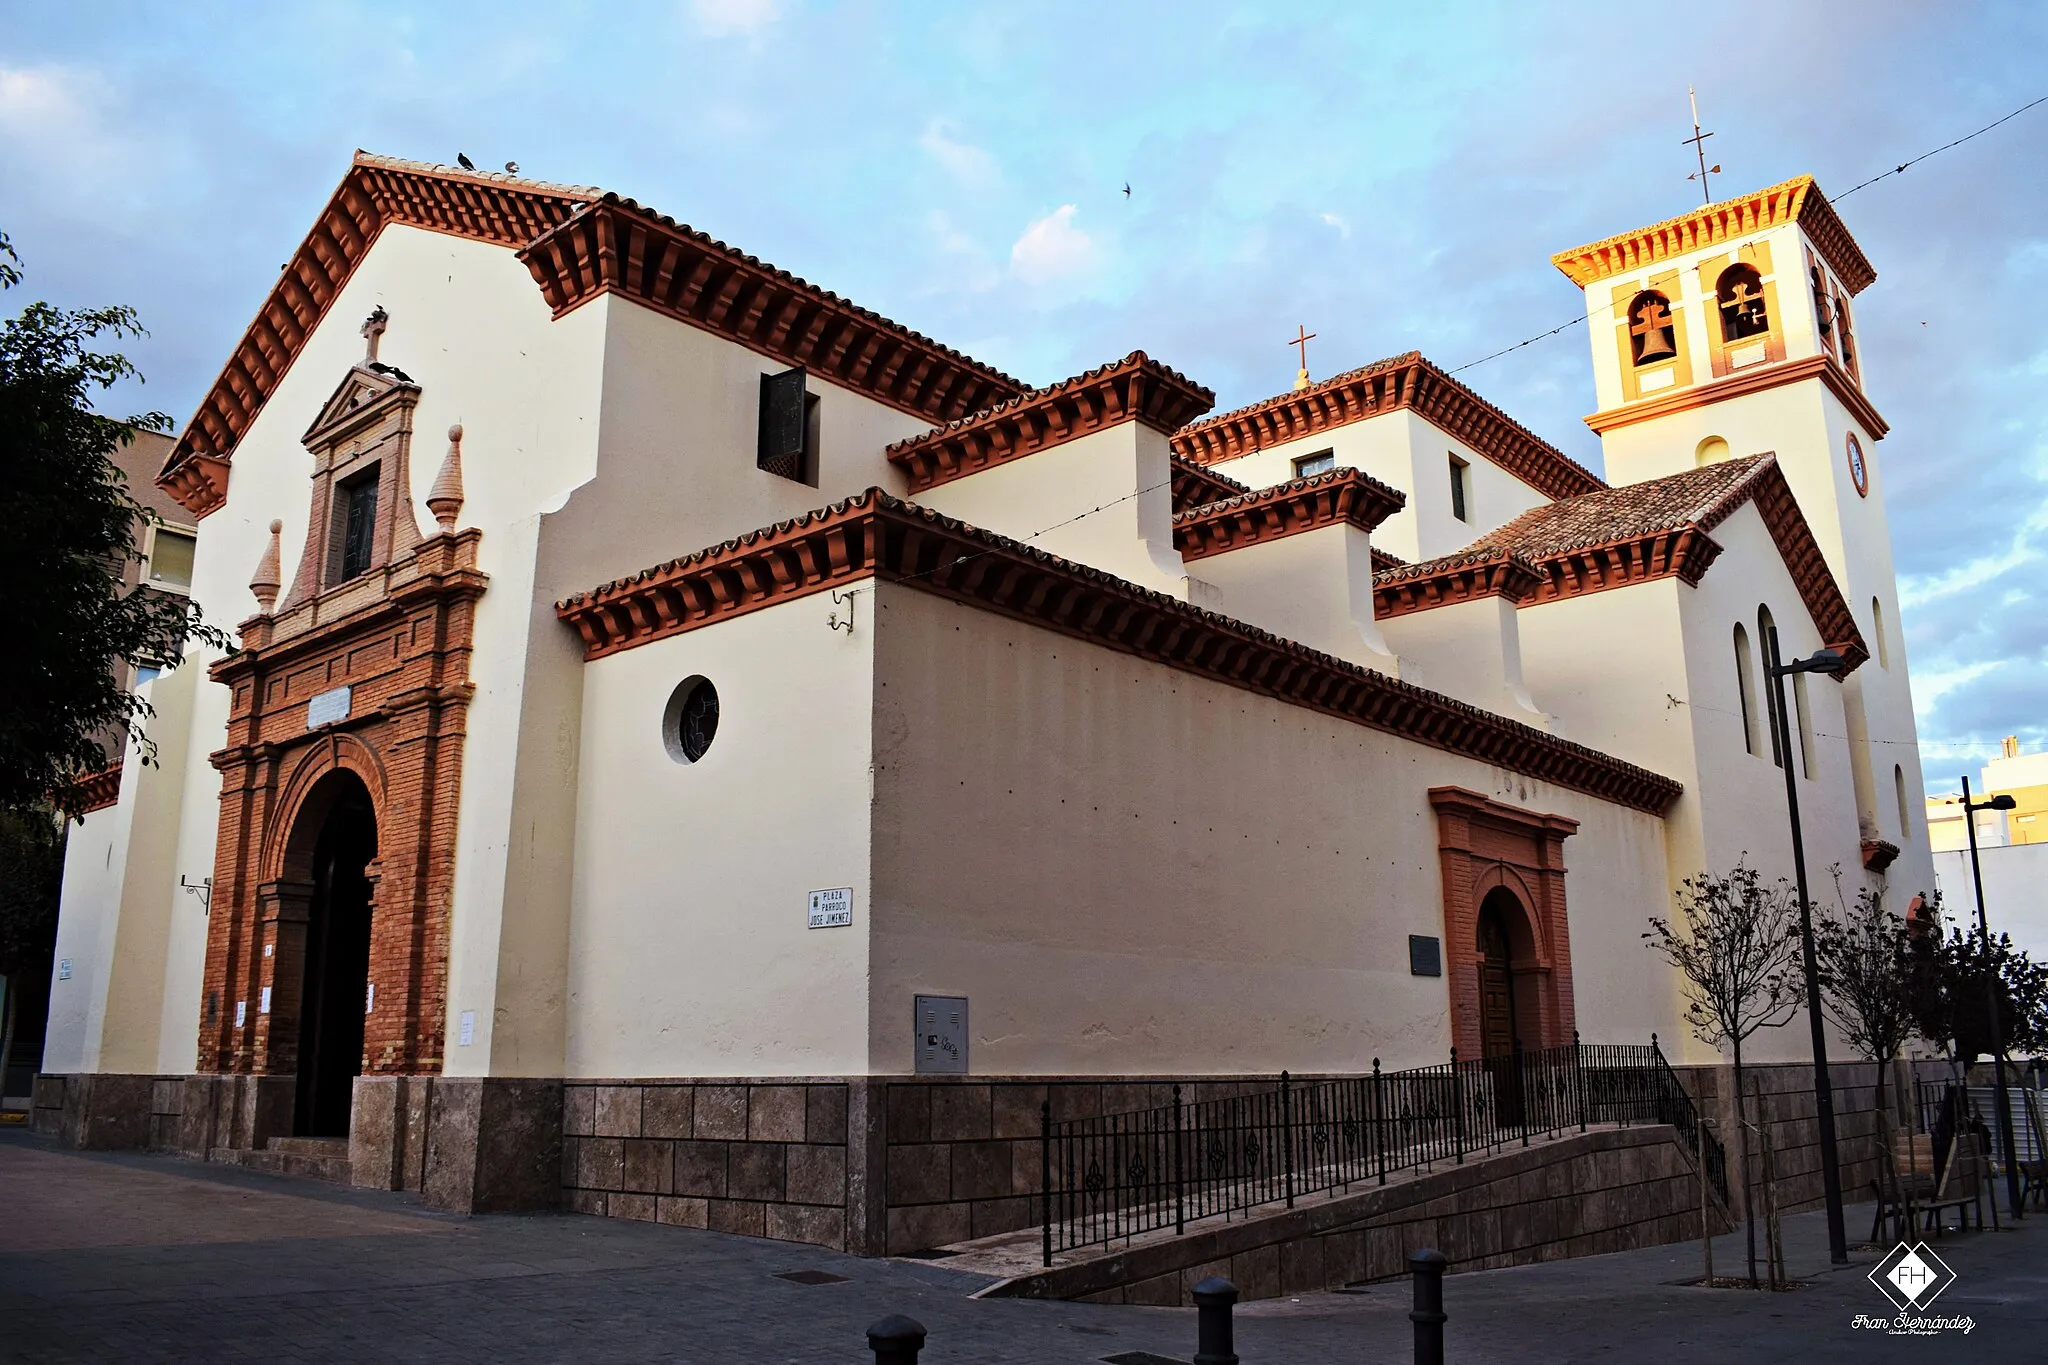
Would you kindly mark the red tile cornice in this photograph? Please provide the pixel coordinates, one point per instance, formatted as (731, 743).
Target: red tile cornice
(1406, 381)
(97, 790)
(1334, 497)
(1797, 200)
(1683, 554)
(614, 245)
(881, 537)
(1879, 854)
(1134, 389)
(377, 191)
(1455, 578)
(1194, 486)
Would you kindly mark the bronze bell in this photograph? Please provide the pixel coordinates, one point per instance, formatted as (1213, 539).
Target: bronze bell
(1656, 342)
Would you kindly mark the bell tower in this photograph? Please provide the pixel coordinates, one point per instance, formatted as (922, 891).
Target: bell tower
(1729, 331)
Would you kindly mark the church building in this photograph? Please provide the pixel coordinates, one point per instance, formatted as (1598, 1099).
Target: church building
(676, 705)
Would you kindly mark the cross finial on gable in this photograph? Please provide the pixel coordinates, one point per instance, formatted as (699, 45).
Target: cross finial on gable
(373, 329)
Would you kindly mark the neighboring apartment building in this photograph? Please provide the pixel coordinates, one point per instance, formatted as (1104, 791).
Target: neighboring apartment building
(2012, 848)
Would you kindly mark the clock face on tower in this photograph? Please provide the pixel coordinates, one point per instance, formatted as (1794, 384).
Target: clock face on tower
(1858, 471)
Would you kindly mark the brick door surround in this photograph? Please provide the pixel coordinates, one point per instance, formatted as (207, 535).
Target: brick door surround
(388, 652)
(1484, 845)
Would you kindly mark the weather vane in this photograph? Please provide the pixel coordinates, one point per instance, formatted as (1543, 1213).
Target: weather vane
(1698, 142)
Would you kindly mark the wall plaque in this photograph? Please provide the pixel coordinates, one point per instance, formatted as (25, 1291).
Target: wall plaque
(327, 708)
(941, 1022)
(1425, 955)
(831, 909)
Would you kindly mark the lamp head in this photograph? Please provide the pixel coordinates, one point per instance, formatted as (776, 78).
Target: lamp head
(1820, 661)
(2000, 802)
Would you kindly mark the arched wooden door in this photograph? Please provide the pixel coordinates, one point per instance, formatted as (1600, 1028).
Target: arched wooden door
(1497, 1028)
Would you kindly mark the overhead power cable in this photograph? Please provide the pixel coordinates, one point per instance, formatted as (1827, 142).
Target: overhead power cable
(1573, 322)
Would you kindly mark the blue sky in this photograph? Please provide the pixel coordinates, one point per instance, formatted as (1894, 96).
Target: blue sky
(1393, 176)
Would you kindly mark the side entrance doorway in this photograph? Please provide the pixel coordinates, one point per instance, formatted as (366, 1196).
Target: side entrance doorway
(333, 996)
(1498, 1029)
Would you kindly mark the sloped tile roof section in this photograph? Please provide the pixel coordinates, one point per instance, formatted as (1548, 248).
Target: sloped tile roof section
(878, 536)
(377, 191)
(1797, 200)
(615, 245)
(1336, 497)
(1660, 529)
(1404, 381)
(1134, 389)
(1462, 577)
(1194, 486)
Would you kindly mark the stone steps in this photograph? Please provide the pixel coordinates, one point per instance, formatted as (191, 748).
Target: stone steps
(324, 1159)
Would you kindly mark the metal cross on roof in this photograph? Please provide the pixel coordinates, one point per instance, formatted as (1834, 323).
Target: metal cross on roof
(1303, 336)
(1698, 142)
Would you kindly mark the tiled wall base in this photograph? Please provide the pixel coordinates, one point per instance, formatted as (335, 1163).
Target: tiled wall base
(467, 1144)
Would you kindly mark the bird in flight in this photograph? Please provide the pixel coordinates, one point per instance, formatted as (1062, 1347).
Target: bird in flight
(1127, 189)
(462, 160)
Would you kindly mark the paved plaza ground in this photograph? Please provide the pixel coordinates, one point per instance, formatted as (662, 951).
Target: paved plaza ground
(117, 1257)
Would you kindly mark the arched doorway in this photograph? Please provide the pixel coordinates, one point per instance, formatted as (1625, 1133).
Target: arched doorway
(341, 826)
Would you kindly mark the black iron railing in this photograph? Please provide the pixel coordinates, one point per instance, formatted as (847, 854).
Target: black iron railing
(1118, 1175)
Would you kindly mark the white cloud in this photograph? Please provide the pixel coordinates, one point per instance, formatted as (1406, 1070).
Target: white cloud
(1343, 228)
(964, 161)
(733, 18)
(1052, 248)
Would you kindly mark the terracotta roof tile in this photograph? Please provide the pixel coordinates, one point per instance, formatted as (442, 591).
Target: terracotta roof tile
(1698, 497)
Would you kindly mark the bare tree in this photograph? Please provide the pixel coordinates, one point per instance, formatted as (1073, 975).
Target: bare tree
(1736, 944)
(1868, 971)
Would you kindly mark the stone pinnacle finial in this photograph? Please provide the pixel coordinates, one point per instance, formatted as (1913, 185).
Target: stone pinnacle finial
(264, 584)
(444, 500)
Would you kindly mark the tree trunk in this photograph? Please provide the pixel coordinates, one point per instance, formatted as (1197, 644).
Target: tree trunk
(1748, 1191)
(7, 988)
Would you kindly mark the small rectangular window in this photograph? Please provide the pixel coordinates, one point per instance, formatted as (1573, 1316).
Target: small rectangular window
(170, 559)
(353, 530)
(789, 425)
(1458, 489)
(1322, 462)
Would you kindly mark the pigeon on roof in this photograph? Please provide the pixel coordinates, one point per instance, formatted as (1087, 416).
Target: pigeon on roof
(462, 160)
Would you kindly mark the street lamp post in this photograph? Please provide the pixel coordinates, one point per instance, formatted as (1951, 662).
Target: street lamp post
(2000, 1101)
(1824, 661)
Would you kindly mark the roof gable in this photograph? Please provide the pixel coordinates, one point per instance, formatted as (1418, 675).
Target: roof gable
(1660, 529)
(376, 191)
(1404, 381)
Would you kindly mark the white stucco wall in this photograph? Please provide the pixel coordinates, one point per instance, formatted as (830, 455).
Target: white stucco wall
(1126, 868)
(1471, 651)
(689, 952)
(2015, 893)
(1104, 499)
(1314, 587)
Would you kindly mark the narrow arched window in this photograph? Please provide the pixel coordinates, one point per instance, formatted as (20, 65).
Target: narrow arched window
(1652, 335)
(1745, 686)
(1905, 815)
(1766, 636)
(1740, 293)
(1884, 654)
(1848, 339)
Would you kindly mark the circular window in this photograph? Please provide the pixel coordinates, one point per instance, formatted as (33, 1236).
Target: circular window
(1858, 470)
(691, 721)
(1713, 450)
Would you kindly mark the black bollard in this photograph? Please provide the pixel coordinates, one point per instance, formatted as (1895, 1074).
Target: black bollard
(1213, 1345)
(896, 1340)
(1428, 1314)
